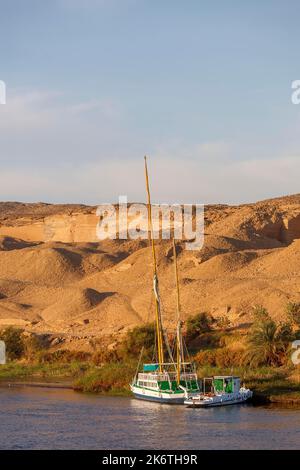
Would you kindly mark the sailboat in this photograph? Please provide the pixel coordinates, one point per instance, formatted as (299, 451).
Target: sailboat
(172, 380)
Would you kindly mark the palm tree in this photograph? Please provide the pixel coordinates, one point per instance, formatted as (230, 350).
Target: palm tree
(268, 343)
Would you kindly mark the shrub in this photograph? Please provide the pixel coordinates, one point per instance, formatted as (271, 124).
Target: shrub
(32, 347)
(226, 357)
(63, 356)
(260, 313)
(104, 356)
(197, 325)
(205, 358)
(209, 340)
(223, 323)
(14, 342)
(222, 357)
(114, 377)
(293, 312)
(136, 339)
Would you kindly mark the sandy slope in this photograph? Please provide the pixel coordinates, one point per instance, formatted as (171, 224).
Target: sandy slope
(80, 288)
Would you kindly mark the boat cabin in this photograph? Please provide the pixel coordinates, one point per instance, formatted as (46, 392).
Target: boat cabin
(222, 384)
(166, 379)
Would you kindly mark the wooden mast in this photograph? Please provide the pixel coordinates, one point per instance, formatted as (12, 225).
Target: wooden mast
(179, 349)
(159, 332)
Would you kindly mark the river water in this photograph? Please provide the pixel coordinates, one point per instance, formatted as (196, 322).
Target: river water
(36, 418)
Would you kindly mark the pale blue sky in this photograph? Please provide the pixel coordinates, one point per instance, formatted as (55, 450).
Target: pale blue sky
(203, 87)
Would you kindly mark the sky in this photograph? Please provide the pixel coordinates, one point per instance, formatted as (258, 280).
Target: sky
(202, 87)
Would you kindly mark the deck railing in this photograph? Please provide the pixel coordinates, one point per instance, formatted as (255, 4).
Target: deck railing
(161, 377)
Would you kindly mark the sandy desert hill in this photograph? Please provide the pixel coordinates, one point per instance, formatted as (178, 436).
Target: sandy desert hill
(57, 278)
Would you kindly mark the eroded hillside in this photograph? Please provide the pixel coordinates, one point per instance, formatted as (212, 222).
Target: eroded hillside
(55, 277)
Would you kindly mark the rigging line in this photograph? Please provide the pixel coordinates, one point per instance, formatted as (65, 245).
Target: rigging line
(179, 349)
(159, 329)
(154, 355)
(138, 366)
(149, 309)
(165, 335)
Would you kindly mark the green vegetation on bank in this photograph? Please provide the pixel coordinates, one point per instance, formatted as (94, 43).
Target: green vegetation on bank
(260, 355)
(112, 378)
(268, 383)
(16, 370)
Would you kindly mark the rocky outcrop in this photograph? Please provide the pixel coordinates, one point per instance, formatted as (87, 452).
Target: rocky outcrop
(277, 219)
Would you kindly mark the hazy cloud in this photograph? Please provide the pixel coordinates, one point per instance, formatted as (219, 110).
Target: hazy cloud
(54, 150)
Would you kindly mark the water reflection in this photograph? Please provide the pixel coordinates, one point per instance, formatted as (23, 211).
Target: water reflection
(34, 418)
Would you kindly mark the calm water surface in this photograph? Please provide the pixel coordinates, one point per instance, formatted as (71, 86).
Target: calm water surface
(32, 418)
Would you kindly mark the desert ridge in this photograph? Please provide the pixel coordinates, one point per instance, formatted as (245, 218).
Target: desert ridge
(57, 278)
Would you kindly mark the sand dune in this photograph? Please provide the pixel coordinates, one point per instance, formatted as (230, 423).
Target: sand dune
(10, 243)
(71, 303)
(84, 288)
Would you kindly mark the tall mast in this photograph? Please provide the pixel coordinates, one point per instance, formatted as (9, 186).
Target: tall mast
(159, 332)
(179, 348)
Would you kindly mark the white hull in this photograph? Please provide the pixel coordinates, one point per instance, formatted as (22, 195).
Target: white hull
(163, 387)
(158, 396)
(221, 399)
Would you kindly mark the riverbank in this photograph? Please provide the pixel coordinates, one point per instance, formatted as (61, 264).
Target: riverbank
(20, 370)
(109, 379)
(36, 384)
(270, 385)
